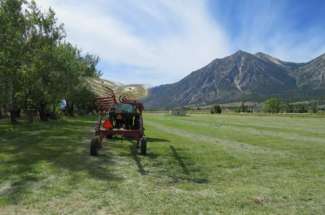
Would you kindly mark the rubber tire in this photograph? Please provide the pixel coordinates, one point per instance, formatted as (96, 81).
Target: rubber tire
(94, 146)
(143, 146)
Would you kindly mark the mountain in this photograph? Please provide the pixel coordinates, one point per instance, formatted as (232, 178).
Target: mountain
(241, 76)
(284, 64)
(311, 76)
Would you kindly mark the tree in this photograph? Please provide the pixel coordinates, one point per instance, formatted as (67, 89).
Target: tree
(272, 105)
(314, 107)
(43, 76)
(12, 50)
(76, 68)
(58, 67)
(289, 108)
(301, 108)
(216, 109)
(37, 68)
(243, 108)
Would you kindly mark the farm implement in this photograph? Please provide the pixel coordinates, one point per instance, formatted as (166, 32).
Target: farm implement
(118, 118)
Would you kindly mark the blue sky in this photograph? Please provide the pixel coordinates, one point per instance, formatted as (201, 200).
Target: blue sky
(160, 41)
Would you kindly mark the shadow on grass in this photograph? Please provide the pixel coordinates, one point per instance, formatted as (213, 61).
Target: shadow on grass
(153, 139)
(179, 160)
(30, 149)
(137, 160)
(190, 171)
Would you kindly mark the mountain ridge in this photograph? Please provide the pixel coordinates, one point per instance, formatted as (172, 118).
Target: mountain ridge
(241, 76)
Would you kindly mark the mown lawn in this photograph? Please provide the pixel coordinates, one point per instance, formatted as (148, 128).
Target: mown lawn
(198, 164)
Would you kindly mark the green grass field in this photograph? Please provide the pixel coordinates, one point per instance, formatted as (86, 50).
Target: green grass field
(198, 164)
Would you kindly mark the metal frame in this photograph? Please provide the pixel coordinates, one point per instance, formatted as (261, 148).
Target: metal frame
(104, 105)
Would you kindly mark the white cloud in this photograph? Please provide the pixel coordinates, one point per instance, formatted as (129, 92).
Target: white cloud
(163, 40)
(267, 26)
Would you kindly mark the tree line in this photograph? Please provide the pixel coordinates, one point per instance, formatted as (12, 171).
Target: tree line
(276, 105)
(271, 105)
(39, 68)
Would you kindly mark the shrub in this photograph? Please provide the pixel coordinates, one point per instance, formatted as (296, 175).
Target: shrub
(216, 109)
(272, 105)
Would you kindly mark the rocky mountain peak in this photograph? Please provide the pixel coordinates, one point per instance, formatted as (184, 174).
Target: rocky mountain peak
(240, 75)
(269, 58)
(240, 53)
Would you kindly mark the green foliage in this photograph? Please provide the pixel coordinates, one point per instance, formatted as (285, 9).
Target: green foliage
(272, 105)
(12, 50)
(304, 107)
(216, 109)
(243, 108)
(314, 107)
(37, 67)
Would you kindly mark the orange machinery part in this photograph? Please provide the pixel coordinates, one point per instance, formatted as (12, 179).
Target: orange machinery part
(107, 124)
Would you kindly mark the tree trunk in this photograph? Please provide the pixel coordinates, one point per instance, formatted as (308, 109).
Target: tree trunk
(13, 116)
(54, 108)
(1, 113)
(5, 111)
(13, 113)
(30, 117)
(70, 108)
(18, 114)
(42, 112)
(13, 108)
(52, 114)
